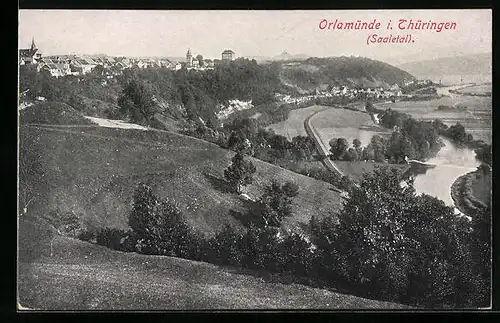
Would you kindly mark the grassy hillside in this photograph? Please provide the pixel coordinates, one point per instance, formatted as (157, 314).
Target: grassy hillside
(91, 172)
(353, 71)
(52, 113)
(60, 273)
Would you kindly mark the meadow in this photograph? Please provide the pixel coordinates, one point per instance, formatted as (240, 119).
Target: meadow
(480, 89)
(294, 125)
(349, 124)
(477, 119)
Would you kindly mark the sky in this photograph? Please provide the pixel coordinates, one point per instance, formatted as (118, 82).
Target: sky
(250, 33)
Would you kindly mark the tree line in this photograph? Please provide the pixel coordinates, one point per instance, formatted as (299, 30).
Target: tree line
(410, 138)
(386, 243)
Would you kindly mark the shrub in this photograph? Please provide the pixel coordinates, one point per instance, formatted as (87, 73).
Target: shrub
(159, 226)
(112, 238)
(225, 247)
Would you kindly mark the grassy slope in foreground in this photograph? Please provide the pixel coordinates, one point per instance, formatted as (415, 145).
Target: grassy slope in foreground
(69, 274)
(93, 172)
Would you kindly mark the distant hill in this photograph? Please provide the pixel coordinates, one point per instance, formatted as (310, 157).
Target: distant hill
(475, 68)
(314, 73)
(258, 58)
(285, 56)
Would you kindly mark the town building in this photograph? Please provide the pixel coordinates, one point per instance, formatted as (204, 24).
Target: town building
(208, 63)
(56, 68)
(195, 63)
(227, 55)
(30, 55)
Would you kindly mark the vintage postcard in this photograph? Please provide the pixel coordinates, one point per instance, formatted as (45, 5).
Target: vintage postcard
(254, 160)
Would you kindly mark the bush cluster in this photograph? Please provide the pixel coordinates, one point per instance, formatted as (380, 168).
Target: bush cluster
(387, 243)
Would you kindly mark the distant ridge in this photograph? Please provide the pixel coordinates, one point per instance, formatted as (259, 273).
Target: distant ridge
(313, 72)
(285, 56)
(468, 68)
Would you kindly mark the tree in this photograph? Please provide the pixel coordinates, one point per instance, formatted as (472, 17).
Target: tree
(440, 126)
(239, 173)
(276, 202)
(399, 147)
(481, 248)
(457, 134)
(199, 57)
(378, 146)
(484, 154)
(137, 102)
(158, 226)
(297, 255)
(356, 143)
(259, 247)
(369, 107)
(290, 189)
(338, 148)
(368, 153)
(398, 245)
(345, 183)
(351, 155)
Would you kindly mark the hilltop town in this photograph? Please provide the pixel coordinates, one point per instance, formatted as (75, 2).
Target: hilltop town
(62, 65)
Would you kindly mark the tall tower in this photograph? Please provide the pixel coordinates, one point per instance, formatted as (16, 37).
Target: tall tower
(189, 58)
(33, 46)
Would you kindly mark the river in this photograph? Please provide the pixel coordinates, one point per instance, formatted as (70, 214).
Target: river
(451, 163)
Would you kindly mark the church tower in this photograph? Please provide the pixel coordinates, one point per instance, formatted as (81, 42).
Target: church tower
(33, 46)
(189, 58)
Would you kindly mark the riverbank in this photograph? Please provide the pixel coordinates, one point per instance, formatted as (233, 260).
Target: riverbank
(471, 192)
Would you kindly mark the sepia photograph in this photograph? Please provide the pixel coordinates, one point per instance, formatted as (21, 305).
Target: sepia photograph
(254, 160)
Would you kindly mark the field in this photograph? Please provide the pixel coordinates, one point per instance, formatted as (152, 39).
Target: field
(60, 273)
(477, 119)
(337, 123)
(479, 89)
(294, 125)
(330, 123)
